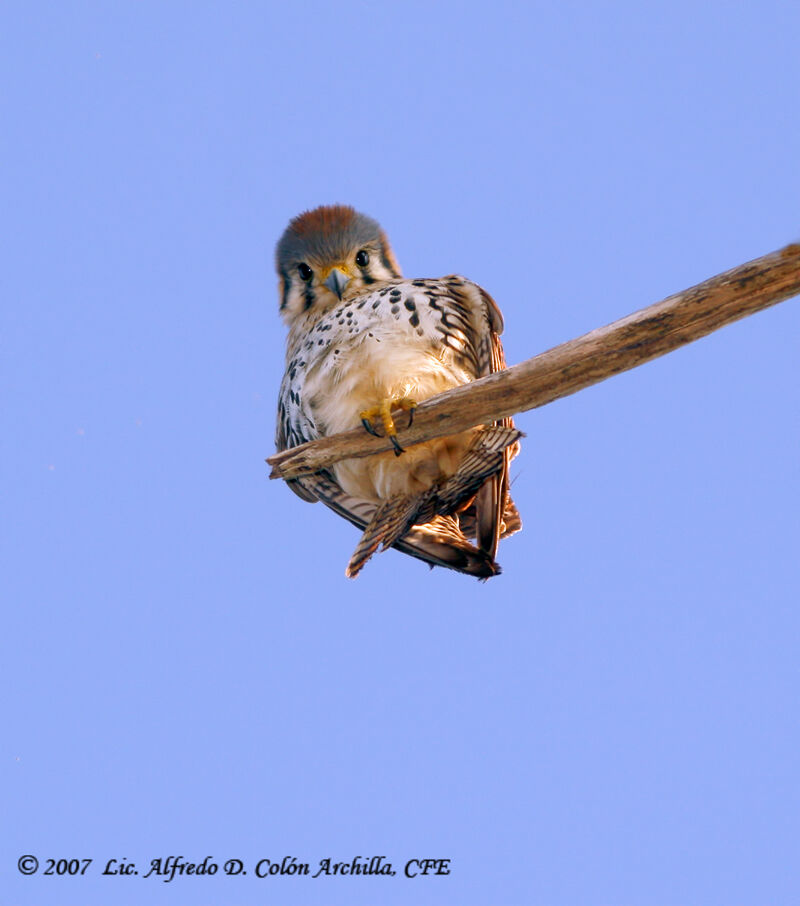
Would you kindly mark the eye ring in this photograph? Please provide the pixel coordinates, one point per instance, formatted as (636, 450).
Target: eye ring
(305, 271)
(362, 258)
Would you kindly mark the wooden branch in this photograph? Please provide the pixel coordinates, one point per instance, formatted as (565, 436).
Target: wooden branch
(570, 367)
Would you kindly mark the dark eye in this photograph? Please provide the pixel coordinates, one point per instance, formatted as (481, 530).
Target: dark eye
(305, 271)
(362, 258)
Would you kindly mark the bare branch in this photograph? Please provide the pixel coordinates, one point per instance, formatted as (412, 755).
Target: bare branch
(570, 367)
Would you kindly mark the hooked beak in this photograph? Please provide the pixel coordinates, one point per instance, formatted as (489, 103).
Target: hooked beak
(336, 281)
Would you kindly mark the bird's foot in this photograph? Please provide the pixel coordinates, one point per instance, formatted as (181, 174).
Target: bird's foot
(383, 413)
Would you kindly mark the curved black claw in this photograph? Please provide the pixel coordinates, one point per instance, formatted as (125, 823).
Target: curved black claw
(397, 448)
(411, 412)
(368, 427)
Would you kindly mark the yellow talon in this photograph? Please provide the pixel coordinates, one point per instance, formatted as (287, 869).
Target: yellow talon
(384, 411)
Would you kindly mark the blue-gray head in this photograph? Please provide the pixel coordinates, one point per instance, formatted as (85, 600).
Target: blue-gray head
(326, 252)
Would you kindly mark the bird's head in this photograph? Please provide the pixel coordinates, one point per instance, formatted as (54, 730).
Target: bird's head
(327, 253)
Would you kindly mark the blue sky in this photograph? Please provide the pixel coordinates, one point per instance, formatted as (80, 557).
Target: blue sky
(187, 671)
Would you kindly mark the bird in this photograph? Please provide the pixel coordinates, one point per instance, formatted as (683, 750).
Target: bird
(365, 345)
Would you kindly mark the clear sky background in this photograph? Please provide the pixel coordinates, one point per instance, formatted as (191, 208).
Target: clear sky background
(186, 670)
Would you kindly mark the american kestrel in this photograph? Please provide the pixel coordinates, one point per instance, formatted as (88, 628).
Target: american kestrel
(364, 342)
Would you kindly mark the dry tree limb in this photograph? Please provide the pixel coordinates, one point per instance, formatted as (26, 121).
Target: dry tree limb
(579, 363)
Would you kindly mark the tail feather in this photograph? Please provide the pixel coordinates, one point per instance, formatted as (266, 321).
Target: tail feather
(484, 457)
(423, 524)
(389, 523)
(442, 543)
(487, 521)
(509, 524)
